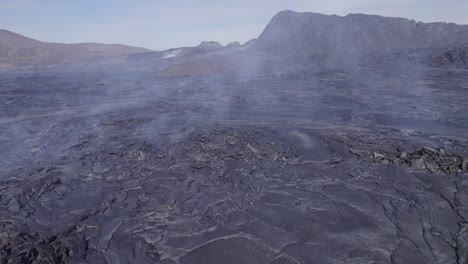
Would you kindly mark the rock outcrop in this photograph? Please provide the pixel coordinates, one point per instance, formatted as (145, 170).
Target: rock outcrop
(234, 44)
(210, 45)
(332, 37)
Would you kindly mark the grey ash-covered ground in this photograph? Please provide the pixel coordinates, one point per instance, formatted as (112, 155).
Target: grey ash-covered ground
(362, 166)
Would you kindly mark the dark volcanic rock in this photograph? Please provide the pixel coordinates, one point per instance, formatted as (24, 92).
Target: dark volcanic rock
(241, 250)
(239, 155)
(231, 195)
(457, 56)
(433, 160)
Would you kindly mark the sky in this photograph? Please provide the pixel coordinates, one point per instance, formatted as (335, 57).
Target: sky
(160, 25)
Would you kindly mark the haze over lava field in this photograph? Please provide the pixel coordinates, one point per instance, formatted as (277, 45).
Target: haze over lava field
(326, 140)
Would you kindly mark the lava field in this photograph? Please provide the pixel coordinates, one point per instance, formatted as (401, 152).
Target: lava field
(368, 166)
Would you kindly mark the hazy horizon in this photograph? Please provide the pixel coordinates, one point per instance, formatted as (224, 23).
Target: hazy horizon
(160, 25)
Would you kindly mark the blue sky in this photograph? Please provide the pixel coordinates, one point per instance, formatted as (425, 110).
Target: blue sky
(159, 25)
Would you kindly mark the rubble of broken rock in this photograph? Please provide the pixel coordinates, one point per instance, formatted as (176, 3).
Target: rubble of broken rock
(434, 160)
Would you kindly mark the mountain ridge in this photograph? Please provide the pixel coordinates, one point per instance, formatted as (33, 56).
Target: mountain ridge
(324, 39)
(5, 32)
(20, 51)
(361, 31)
(355, 37)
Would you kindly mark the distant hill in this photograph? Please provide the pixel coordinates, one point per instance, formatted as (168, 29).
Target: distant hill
(356, 36)
(20, 51)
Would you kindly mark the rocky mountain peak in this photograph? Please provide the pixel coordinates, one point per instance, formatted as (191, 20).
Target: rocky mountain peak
(343, 36)
(234, 44)
(210, 45)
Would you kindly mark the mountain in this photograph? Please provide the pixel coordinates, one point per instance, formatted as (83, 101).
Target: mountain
(204, 48)
(352, 37)
(297, 37)
(234, 44)
(210, 45)
(20, 51)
